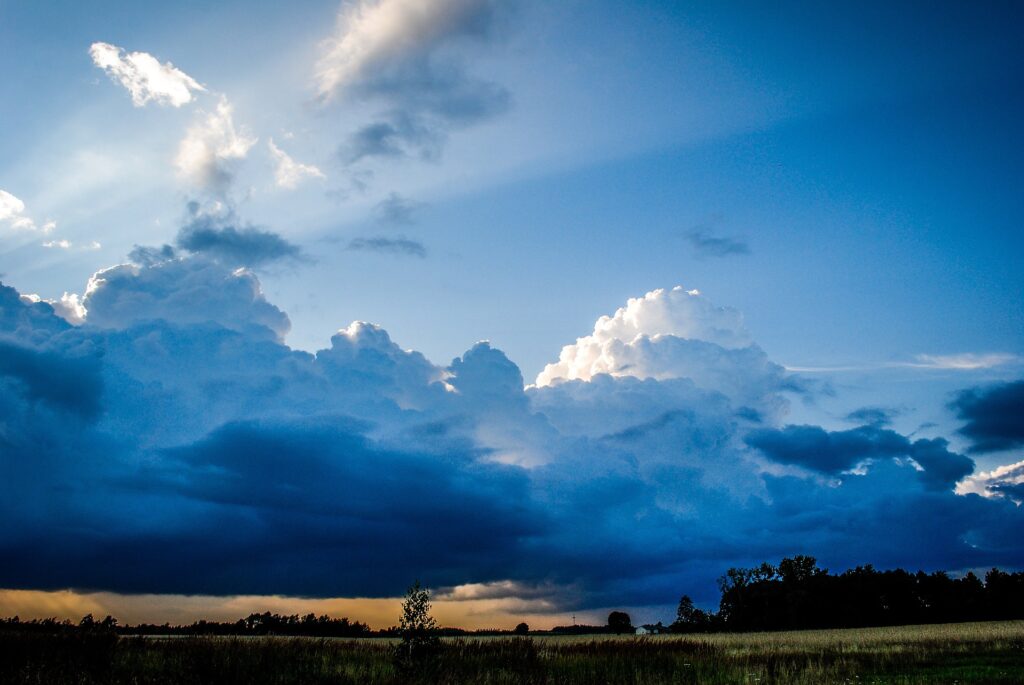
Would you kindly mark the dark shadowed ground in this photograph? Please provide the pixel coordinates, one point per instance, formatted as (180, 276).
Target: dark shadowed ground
(949, 653)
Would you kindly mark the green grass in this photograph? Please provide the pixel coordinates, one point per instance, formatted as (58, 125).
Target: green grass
(954, 653)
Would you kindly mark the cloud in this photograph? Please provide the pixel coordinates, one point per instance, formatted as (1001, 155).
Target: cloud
(705, 244)
(398, 137)
(963, 362)
(399, 246)
(401, 55)
(210, 147)
(145, 77)
(874, 416)
(64, 382)
(69, 307)
(1003, 481)
(183, 435)
(12, 212)
(994, 416)
(397, 210)
(670, 334)
(834, 453)
(289, 173)
(10, 206)
(127, 295)
(815, 448)
(374, 35)
(967, 361)
(215, 233)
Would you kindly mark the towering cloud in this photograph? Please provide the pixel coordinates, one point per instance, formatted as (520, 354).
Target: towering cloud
(145, 77)
(673, 334)
(184, 435)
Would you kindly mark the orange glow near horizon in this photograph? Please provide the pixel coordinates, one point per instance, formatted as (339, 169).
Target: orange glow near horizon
(471, 614)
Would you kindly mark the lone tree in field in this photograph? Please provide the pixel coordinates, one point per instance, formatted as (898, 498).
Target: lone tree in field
(417, 626)
(619, 622)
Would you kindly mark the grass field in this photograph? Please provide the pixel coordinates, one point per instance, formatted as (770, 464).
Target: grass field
(953, 653)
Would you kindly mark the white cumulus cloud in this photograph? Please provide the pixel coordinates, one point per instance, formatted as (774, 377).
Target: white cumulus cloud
(675, 334)
(290, 173)
(70, 308)
(12, 212)
(145, 77)
(626, 343)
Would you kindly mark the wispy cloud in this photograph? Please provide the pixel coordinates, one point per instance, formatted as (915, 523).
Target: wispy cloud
(395, 53)
(962, 362)
(397, 210)
(210, 146)
(145, 77)
(967, 361)
(874, 416)
(706, 244)
(400, 246)
(289, 173)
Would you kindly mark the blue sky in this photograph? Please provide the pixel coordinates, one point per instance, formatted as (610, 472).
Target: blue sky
(847, 177)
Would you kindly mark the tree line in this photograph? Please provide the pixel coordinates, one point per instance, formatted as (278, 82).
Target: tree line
(796, 594)
(266, 623)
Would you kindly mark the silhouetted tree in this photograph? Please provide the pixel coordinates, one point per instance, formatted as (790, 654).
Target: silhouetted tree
(619, 622)
(689, 618)
(418, 628)
(522, 629)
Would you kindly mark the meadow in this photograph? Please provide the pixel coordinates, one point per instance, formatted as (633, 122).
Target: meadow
(951, 653)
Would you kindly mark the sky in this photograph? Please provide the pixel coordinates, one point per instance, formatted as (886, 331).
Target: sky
(556, 307)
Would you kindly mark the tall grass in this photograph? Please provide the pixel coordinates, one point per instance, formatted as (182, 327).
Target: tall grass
(955, 653)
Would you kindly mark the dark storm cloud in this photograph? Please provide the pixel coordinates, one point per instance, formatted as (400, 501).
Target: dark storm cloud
(994, 416)
(399, 245)
(817, 449)
(1015, 491)
(216, 459)
(70, 384)
(308, 508)
(814, 448)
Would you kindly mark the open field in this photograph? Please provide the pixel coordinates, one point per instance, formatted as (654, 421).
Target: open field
(952, 653)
